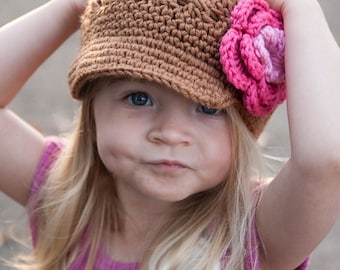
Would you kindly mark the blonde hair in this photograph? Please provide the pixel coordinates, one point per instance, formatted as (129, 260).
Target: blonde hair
(79, 204)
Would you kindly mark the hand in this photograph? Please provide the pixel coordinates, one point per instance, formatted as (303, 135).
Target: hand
(283, 6)
(276, 4)
(79, 5)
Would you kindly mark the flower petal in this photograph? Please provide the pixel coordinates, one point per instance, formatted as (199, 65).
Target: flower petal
(252, 55)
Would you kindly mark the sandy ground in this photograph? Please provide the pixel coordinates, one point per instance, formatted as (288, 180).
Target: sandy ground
(47, 93)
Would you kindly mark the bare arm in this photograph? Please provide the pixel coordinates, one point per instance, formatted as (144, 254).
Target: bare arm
(300, 206)
(38, 33)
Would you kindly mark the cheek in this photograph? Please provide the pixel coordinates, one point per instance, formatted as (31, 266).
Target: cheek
(103, 151)
(106, 143)
(222, 160)
(116, 146)
(217, 159)
(110, 153)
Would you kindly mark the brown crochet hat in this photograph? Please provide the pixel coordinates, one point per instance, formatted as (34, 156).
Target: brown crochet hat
(173, 42)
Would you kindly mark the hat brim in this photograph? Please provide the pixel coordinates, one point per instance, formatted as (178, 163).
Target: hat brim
(124, 56)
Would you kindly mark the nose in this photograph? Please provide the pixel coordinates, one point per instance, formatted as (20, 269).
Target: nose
(171, 127)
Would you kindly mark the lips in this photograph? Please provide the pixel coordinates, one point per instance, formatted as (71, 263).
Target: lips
(168, 167)
(169, 163)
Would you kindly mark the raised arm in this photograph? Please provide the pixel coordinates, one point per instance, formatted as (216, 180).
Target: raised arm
(36, 36)
(300, 206)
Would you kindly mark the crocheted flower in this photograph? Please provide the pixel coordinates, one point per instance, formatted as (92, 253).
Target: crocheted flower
(252, 55)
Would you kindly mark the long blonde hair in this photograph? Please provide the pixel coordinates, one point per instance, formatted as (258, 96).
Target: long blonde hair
(78, 206)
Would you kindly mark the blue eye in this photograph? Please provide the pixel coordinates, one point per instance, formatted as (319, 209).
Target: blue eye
(139, 99)
(208, 111)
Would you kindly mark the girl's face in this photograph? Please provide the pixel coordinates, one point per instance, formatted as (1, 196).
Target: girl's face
(157, 144)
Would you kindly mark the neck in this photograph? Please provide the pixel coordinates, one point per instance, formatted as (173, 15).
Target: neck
(140, 220)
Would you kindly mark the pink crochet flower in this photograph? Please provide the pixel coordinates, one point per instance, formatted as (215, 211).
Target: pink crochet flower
(252, 55)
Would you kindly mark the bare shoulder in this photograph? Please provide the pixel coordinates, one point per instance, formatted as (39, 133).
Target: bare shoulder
(21, 147)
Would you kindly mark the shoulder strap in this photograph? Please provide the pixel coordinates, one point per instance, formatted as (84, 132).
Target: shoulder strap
(49, 156)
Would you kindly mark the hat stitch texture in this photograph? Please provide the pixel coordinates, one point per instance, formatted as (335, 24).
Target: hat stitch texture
(173, 42)
(252, 56)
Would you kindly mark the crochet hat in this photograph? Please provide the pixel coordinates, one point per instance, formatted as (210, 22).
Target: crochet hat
(186, 45)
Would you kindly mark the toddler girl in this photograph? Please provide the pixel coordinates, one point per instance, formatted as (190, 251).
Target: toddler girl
(162, 170)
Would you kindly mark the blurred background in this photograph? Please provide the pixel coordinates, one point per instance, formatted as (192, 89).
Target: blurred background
(46, 104)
